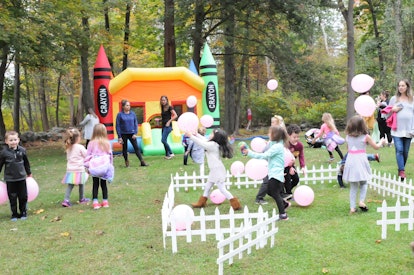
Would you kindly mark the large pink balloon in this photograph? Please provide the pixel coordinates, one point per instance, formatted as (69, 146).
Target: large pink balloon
(3, 193)
(256, 169)
(237, 168)
(188, 122)
(182, 214)
(289, 158)
(303, 195)
(191, 101)
(32, 189)
(364, 105)
(206, 120)
(217, 197)
(272, 84)
(258, 144)
(362, 83)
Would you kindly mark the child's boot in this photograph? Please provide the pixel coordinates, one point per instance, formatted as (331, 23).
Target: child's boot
(235, 203)
(202, 202)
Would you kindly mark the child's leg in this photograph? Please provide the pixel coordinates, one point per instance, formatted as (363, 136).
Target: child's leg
(207, 188)
(263, 189)
(104, 188)
(95, 187)
(22, 196)
(353, 194)
(68, 191)
(81, 192)
(294, 180)
(275, 189)
(222, 187)
(338, 150)
(363, 186)
(12, 193)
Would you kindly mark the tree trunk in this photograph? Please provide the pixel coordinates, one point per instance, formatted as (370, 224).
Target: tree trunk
(29, 120)
(86, 98)
(197, 33)
(3, 68)
(42, 101)
(126, 37)
(16, 91)
(169, 35)
(398, 40)
(350, 41)
(57, 99)
(377, 38)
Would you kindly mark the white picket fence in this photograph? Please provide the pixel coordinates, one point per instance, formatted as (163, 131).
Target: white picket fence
(395, 215)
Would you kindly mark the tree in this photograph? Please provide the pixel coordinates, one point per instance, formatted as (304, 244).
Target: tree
(169, 34)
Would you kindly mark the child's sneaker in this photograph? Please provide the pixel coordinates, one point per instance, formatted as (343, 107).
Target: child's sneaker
(96, 205)
(23, 216)
(13, 219)
(283, 217)
(105, 204)
(377, 157)
(66, 203)
(84, 201)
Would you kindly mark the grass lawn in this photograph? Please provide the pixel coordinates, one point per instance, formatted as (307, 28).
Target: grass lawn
(127, 238)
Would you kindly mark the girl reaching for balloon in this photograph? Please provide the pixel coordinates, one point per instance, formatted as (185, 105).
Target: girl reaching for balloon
(216, 145)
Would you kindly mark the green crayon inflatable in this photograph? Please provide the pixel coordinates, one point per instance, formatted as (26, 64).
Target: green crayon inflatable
(208, 72)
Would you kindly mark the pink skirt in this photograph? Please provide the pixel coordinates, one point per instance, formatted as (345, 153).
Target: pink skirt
(75, 178)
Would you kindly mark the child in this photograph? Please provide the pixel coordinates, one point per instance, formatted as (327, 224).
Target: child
(196, 151)
(296, 147)
(99, 147)
(75, 171)
(276, 120)
(187, 151)
(357, 170)
(327, 131)
(276, 162)
(16, 169)
(218, 143)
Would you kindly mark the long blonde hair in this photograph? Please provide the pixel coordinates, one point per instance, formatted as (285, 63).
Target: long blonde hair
(101, 136)
(328, 120)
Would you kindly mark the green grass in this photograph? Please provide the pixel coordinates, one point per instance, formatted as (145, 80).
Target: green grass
(127, 238)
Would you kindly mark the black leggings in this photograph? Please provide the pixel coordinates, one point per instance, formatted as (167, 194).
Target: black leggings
(337, 149)
(137, 150)
(274, 190)
(17, 190)
(95, 188)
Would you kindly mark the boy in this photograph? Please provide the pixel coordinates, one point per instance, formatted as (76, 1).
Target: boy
(296, 147)
(17, 168)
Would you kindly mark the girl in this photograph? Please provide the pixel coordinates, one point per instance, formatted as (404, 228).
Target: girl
(99, 146)
(384, 130)
(402, 104)
(75, 171)
(218, 143)
(327, 131)
(357, 170)
(168, 114)
(275, 157)
(90, 120)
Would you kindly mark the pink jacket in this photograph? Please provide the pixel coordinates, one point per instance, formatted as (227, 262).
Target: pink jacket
(392, 119)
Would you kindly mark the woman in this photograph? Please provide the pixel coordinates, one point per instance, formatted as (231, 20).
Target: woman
(402, 105)
(90, 120)
(126, 129)
(168, 114)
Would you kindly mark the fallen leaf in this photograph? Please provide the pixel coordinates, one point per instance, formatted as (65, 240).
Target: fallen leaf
(325, 270)
(378, 241)
(65, 234)
(99, 232)
(43, 218)
(56, 219)
(39, 211)
(13, 229)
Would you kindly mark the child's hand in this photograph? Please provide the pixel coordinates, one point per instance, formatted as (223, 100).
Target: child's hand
(292, 171)
(188, 134)
(29, 176)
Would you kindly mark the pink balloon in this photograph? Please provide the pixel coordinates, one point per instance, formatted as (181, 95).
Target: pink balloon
(364, 105)
(182, 214)
(289, 158)
(191, 101)
(362, 83)
(217, 197)
(256, 169)
(3, 193)
(303, 195)
(206, 120)
(237, 168)
(32, 189)
(188, 122)
(258, 144)
(272, 84)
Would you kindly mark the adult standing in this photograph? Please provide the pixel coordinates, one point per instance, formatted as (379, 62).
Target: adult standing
(249, 118)
(168, 114)
(90, 120)
(403, 107)
(382, 102)
(126, 129)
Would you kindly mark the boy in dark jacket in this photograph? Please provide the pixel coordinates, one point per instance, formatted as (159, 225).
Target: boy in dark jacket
(17, 167)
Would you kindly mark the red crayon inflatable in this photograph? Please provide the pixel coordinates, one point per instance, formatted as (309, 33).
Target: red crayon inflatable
(102, 74)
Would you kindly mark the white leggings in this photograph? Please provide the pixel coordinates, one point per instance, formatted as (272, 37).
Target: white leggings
(221, 186)
(363, 186)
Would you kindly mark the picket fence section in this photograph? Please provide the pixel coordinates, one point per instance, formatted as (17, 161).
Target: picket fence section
(399, 215)
(194, 181)
(248, 237)
(392, 186)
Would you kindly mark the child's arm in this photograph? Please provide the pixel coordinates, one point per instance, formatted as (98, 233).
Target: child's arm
(374, 145)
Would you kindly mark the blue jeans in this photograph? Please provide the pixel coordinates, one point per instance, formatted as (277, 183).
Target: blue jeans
(402, 147)
(165, 132)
